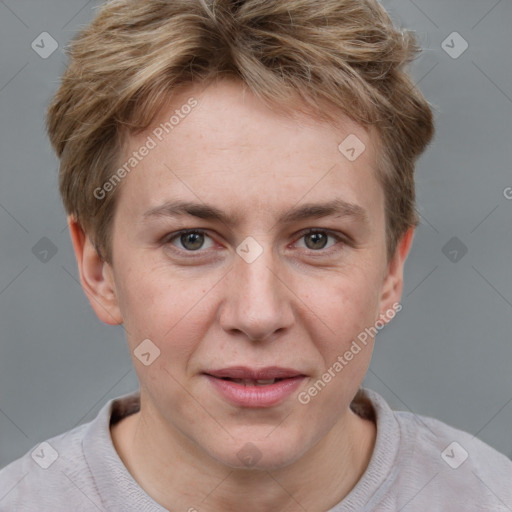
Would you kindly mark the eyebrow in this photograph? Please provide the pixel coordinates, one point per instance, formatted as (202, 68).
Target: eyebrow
(336, 207)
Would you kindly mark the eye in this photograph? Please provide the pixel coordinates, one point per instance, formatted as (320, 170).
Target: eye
(196, 240)
(317, 239)
(190, 240)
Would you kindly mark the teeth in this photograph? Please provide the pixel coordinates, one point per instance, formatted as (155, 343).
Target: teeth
(265, 382)
(249, 382)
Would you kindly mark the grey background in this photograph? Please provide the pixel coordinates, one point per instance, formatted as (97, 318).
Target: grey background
(447, 354)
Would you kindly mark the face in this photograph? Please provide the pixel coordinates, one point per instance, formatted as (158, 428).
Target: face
(281, 266)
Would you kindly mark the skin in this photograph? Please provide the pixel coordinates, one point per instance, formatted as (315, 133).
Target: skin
(297, 305)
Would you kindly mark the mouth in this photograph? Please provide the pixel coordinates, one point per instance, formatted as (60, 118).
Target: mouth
(255, 376)
(252, 382)
(247, 387)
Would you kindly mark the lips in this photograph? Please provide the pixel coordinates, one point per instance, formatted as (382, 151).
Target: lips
(248, 387)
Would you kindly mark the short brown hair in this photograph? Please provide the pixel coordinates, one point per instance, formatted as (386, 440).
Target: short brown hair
(125, 66)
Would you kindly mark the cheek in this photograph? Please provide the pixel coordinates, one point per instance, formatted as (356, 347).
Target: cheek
(345, 303)
(346, 306)
(168, 309)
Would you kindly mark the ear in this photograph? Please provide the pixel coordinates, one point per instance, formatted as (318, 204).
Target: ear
(96, 276)
(394, 279)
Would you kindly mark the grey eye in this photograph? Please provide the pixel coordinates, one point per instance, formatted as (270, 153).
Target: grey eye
(192, 241)
(317, 240)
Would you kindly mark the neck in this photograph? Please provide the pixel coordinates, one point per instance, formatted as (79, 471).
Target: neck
(180, 476)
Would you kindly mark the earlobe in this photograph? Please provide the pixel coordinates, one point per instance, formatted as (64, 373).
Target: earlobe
(394, 280)
(96, 276)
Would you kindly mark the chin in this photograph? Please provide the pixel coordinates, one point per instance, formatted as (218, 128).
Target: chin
(262, 453)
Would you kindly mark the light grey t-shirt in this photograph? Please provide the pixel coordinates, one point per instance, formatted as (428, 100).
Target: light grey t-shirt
(419, 465)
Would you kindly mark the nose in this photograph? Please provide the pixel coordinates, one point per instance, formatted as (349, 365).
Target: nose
(257, 302)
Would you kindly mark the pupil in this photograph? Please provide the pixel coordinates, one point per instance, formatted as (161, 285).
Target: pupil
(192, 241)
(319, 240)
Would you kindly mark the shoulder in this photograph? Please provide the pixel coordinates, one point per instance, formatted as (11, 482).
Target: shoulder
(67, 471)
(52, 475)
(455, 448)
(422, 464)
(454, 466)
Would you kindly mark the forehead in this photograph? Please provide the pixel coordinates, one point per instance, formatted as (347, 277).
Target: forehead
(221, 145)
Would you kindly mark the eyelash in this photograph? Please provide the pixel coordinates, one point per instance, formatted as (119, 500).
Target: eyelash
(168, 239)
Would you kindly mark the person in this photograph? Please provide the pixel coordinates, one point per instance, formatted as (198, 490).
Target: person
(239, 183)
